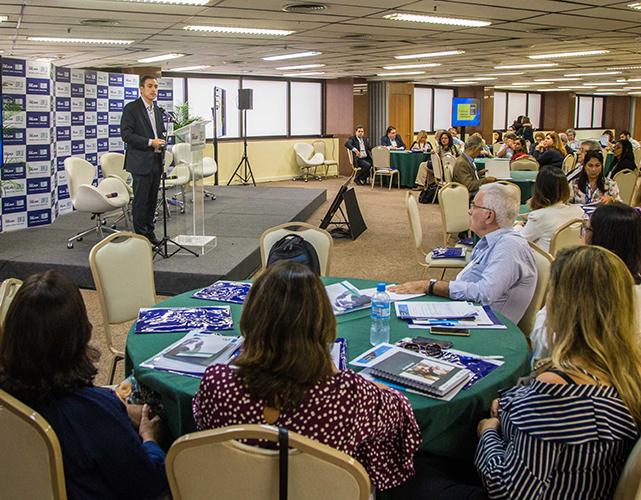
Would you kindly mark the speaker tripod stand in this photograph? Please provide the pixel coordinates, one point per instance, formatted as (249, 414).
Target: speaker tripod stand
(244, 161)
(162, 248)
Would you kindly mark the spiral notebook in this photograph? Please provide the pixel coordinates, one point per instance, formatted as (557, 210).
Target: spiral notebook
(426, 375)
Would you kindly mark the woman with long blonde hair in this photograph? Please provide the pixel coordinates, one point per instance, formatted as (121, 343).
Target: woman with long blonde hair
(550, 151)
(421, 143)
(569, 433)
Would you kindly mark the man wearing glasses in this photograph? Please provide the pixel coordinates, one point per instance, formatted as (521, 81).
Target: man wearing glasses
(501, 273)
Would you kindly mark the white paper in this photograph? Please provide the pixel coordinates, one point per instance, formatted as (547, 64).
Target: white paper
(482, 321)
(498, 168)
(393, 297)
(448, 309)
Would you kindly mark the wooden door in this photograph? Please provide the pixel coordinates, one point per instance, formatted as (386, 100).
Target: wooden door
(400, 116)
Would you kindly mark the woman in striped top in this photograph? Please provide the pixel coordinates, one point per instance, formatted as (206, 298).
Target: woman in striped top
(568, 434)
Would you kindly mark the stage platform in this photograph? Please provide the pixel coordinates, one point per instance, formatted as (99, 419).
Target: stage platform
(238, 217)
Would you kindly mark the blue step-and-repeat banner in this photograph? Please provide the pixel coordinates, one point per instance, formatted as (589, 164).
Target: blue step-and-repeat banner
(67, 112)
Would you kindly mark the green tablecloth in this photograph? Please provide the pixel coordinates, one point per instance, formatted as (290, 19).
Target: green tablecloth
(407, 164)
(524, 179)
(448, 428)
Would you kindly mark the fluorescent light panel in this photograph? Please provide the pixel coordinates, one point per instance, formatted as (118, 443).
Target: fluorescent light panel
(78, 40)
(536, 82)
(475, 78)
(595, 74)
(302, 66)
(602, 84)
(630, 80)
(431, 54)
(526, 66)
(635, 5)
(555, 79)
(402, 73)
(291, 56)
(239, 31)
(452, 21)
(501, 74)
(626, 67)
(570, 54)
(455, 82)
(179, 2)
(164, 57)
(309, 73)
(189, 68)
(412, 66)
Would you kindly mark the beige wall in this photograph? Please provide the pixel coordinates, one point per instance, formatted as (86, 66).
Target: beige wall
(270, 160)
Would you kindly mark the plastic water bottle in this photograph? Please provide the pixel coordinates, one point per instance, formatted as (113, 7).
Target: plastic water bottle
(379, 332)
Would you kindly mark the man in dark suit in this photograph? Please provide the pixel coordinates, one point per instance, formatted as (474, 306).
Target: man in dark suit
(142, 128)
(360, 148)
(391, 140)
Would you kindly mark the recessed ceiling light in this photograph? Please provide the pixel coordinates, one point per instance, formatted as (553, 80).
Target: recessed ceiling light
(437, 20)
(626, 67)
(630, 80)
(163, 57)
(602, 84)
(431, 54)
(633, 88)
(501, 74)
(595, 74)
(302, 66)
(605, 93)
(239, 31)
(633, 93)
(555, 79)
(525, 66)
(4, 18)
(475, 78)
(189, 68)
(413, 66)
(309, 73)
(291, 56)
(46, 59)
(635, 5)
(78, 40)
(402, 73)
(570, 54)
(180, 2)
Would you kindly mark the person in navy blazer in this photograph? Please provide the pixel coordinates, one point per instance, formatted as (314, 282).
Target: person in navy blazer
(363, 162)
(142, 129)
(390, 138)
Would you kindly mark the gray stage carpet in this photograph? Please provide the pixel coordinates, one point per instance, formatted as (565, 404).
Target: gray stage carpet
(238, 217)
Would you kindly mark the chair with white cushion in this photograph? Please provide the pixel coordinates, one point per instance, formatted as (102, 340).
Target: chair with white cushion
(525, 163)
(627, 182)
(543, 262)
(569, 162)
(496, 147)
(320, 239)
(355, 170)
(124, 277)
(8, 291)
(416, 231)
(179, 176)
(113, 165)
(319, 147)
(449, 161)
(209, 169)
(567, 235)
(110, 195)
(381, 166)
(215, 463)
(306, 158)
(637, 156)
(31, 459)
(454, 202)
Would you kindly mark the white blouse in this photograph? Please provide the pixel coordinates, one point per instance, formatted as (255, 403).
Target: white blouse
(542, 223)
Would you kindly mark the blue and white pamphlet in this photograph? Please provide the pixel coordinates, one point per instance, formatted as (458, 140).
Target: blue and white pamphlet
(234, 292)
(184, 319)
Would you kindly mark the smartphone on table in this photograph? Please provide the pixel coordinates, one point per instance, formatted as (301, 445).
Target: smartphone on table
(450, 330)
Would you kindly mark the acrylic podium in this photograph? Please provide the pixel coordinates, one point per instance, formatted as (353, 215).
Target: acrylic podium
(189, 143)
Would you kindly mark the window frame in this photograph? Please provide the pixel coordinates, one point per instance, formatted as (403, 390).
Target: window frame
(434, 87)
(578, 112)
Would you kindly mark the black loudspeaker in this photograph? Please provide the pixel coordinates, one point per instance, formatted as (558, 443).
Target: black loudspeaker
(245, 98)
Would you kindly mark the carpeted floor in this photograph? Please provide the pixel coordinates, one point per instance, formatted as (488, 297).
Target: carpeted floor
(384, 251)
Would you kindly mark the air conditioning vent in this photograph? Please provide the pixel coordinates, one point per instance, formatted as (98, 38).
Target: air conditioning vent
(99, 22)
(304, 8)
(357, 36)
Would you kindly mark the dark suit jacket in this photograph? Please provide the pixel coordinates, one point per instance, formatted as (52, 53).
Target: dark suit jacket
(385, 141)
(136, 131)
(352, 142)
(465, 173)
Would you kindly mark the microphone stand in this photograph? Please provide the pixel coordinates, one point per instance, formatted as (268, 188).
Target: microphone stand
(162, 247)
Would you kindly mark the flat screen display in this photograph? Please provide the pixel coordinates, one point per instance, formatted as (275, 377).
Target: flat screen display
(466, 111)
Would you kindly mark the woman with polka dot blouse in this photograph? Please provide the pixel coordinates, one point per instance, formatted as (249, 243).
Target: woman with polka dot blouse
(285, 377)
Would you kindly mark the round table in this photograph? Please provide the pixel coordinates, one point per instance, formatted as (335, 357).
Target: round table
(524, 179)
(448, 428)
(407, 163)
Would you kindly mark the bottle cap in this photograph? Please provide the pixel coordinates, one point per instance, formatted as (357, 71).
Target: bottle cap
(380, 287)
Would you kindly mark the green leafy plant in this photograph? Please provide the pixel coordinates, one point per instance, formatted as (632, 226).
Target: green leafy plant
(182, 118)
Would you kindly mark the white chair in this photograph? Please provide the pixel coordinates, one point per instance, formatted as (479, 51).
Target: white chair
(567, 235)
(31, 459)
(637, 156)
(214, 463)
(522, 163)
(381, 166)
(113, 165)
(512, 185)
(496, 147)
(416, 232)
(124, 277)
(8, 291)
(543, 261)
(447, 173)
(94, 200)
(178, 177)
(319, 147)
(454, 202)
(209, 169)
(629, 485)
(320, 239)
(627, 182)
(437, 167)
(355, 170)
(569, 163)
(306, 158)
(449, 161)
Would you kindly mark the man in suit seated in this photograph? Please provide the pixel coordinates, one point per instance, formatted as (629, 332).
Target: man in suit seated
(464, 169)
(501, 273)
(360, 148)
(392, 141)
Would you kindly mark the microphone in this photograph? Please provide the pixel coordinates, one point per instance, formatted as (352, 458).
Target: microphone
(112, 195)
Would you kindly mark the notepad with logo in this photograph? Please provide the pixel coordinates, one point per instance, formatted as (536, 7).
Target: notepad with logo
(427, 375)
(224, 291)
(448, 252)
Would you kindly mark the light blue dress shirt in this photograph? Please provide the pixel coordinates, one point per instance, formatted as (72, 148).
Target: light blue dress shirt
(501, 274)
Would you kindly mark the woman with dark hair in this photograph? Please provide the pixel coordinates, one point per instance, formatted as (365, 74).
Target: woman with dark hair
(623, 158)
(46, 362)
(527, 131)
(550, 210)
(550, 151)
(446, 146)
(568, 434)
(498, 136)
(520, 149)
(611, 141)
(285, 376)
(590, 186)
